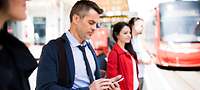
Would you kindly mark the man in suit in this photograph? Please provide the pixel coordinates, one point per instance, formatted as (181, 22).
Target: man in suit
(84, 73)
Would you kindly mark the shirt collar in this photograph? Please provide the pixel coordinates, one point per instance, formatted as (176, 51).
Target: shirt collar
(73, 40)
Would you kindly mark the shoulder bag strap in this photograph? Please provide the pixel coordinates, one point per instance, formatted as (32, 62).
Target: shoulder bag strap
(63, 77)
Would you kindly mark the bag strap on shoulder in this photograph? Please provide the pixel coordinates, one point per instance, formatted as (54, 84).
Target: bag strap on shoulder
(63, 77)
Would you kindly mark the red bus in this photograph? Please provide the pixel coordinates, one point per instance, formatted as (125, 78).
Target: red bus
(178, 34)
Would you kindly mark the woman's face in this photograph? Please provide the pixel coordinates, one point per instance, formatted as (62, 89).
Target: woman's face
(139, 26)
(124, 35)
(17, 9)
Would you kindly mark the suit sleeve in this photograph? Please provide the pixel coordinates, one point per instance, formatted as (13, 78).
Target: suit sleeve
(112, 64)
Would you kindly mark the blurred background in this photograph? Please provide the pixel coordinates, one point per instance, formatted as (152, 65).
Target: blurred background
(172, 35)
(48, 19)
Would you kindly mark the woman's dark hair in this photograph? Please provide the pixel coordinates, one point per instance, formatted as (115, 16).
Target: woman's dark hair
(82, 7)
(128, 46)
(130, 49)
(117, 28)
(3, 5)
(132, 21)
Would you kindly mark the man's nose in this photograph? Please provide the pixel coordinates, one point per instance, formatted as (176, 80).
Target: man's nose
(94, 27)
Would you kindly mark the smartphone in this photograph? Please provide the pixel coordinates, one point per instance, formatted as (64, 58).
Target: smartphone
(119, 80)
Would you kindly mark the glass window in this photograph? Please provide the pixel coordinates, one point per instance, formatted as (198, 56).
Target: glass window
(39, 30)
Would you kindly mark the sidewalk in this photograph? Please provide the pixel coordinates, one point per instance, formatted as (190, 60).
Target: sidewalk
(153, 80)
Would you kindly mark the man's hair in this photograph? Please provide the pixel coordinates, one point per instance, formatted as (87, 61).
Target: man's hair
(82, 7)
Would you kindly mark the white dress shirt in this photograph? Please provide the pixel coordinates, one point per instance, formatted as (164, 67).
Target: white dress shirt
(81, 77)
(141, 54)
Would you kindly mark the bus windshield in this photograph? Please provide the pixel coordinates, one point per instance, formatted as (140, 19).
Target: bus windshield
(180, 22)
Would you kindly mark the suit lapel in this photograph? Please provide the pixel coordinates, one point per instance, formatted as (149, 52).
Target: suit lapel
(97, 72)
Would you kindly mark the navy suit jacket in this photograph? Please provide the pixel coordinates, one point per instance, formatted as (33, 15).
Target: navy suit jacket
(47, 75)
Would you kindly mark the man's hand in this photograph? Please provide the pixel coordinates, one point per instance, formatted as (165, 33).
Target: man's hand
(100, 84)
(115, 84)
(106, 84)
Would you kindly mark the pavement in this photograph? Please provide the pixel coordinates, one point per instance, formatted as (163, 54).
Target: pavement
(153, 79)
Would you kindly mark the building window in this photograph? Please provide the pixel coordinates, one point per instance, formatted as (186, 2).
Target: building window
(39, 30)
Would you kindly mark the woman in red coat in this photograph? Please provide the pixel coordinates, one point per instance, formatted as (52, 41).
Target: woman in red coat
(121, 60)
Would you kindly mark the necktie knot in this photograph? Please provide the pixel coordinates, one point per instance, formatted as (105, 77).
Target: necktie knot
(82, 48)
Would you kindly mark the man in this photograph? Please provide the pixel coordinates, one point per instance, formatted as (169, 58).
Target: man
(83, 17)
(137, 26)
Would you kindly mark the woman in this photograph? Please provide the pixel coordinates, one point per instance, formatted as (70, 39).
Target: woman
(16, 62)
(137, 26)
(121, 60)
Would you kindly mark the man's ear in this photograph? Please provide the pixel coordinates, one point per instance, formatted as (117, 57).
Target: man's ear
(76, 18)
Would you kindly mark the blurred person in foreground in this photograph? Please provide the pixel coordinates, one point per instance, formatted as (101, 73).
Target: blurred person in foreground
(16, 61)
(84, 16)
(137, 26)
(122, 60)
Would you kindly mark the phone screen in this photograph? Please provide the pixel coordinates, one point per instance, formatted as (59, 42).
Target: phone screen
(119, 80)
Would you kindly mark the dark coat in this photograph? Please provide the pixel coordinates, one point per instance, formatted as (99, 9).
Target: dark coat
(16, 63)
(47, 75)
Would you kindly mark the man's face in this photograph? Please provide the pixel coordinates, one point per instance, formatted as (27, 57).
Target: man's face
(87, 24)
